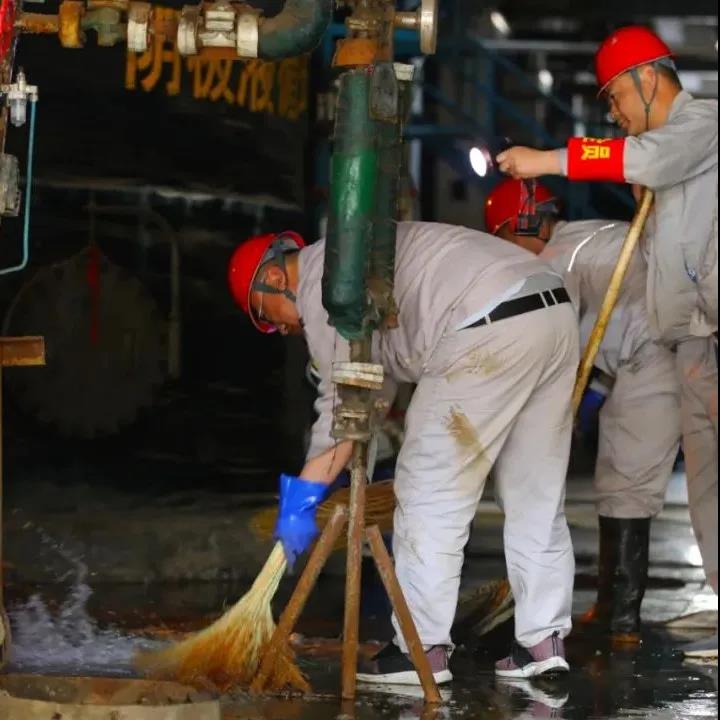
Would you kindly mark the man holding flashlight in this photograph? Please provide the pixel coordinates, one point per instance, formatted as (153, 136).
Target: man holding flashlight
(671, 148)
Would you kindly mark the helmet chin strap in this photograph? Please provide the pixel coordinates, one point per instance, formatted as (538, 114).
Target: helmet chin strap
(635, 74)
(647, 103)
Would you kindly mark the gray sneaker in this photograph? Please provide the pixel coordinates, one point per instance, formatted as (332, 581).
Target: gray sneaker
(392, 667)
(547, 656)
(705, 648)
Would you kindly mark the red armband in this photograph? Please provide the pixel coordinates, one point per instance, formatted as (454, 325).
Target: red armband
(596, 159)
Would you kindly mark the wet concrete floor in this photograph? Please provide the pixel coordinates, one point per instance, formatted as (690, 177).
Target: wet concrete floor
(104, 626)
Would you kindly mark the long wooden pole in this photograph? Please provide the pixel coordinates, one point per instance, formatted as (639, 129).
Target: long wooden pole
(402, 613)
(611, 296)
(359, 352)
(302, 591)
(356, 532)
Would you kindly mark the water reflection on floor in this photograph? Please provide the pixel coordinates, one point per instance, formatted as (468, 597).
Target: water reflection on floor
(73, 628)
(650, 681)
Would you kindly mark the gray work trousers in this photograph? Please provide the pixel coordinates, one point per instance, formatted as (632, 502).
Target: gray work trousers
(496, 395)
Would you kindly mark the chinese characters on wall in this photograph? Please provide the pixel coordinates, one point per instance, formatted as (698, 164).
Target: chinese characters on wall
(278, 88)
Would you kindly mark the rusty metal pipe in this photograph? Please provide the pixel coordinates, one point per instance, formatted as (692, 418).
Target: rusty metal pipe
(402, 613)
(302, 591)
(37, 23)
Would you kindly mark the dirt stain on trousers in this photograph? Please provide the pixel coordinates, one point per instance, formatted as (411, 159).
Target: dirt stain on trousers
(473, 454)
(475, 362)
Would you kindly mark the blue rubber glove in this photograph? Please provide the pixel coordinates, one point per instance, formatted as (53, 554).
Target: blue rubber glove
(589, 408)
(296, 527)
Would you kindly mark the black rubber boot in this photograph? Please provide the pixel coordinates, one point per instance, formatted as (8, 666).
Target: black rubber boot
(631, 540)
(622, 576)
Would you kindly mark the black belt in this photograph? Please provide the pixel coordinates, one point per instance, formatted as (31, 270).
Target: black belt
(519, 306)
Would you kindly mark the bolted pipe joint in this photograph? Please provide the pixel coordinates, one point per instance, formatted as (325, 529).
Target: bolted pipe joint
(355, 416)
(295, 30)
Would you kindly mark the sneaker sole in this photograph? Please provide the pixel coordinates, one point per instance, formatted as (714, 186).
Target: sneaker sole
(410, 677)
(551, 665)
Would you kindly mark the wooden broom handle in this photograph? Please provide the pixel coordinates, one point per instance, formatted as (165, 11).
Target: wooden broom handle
(611, 296)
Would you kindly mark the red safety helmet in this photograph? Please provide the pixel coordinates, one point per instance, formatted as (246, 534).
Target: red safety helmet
(504, 203)
(625, 49)
(247, 260)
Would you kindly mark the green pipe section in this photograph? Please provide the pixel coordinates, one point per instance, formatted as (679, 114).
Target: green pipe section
(382, 254)
(383, 309)
(296, 29)
(353, 183)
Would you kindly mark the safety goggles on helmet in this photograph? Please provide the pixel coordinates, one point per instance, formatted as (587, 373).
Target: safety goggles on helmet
(245, 274)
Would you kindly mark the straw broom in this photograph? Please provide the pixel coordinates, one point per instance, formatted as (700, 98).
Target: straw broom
(227, 654)
(379, 509)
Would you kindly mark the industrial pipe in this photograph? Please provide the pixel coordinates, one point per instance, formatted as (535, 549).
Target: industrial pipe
(296, 29)
(352, 207)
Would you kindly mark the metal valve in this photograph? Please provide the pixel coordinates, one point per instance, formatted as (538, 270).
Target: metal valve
(425, 21)
(220, 25)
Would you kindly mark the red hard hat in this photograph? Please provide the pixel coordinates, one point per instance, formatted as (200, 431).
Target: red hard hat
(625, 49)
(246, 261)
(504, 203)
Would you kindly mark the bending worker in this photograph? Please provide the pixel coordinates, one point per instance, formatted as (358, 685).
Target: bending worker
(489, 336)
(640, 417)
(672, 148)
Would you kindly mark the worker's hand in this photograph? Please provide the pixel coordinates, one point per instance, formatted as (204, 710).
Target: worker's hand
(296, 527)
(589, 409)
(524, 163)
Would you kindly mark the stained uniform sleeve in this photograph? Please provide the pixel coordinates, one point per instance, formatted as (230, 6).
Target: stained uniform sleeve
(684, 147)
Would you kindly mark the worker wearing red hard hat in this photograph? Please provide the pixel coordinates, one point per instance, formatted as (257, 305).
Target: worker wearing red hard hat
(487, 333)
(634, 386)
(672, 148)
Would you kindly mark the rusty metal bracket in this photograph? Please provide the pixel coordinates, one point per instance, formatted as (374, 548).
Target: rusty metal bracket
(22, 351)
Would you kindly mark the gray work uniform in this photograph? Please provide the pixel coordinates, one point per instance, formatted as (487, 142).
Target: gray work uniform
(679, 161)
(640, 420)
(497, 394)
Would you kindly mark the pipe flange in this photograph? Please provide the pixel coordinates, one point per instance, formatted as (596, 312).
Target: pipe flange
(138, 26)
(187, 42)
(247, 34)
(358, 374)
(428, 21)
